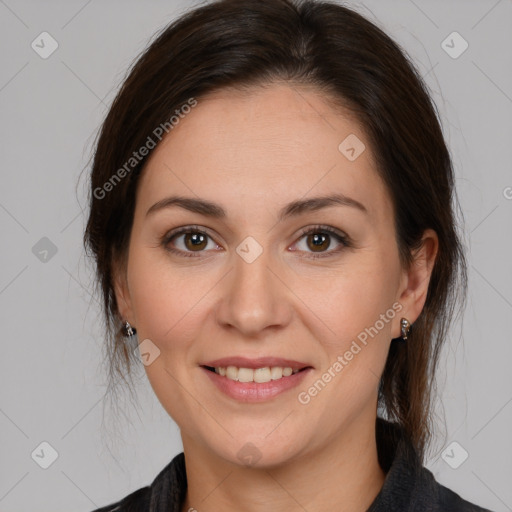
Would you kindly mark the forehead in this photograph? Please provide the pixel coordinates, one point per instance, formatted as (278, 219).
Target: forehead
(271, 144)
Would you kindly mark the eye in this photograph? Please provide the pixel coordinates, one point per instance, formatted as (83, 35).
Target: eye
(188, 240)
(318, 239)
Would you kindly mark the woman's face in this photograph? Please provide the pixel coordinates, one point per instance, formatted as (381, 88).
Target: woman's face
(249, 286)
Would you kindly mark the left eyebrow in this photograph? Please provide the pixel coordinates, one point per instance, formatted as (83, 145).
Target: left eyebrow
(316, 203)
(293, 209)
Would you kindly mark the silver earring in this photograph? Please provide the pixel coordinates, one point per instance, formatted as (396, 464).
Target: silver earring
(405, 328)
(129, 331)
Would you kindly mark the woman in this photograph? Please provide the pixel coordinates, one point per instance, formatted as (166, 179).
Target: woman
(270, 214)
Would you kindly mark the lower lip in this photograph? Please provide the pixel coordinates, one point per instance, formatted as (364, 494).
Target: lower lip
(256, 391)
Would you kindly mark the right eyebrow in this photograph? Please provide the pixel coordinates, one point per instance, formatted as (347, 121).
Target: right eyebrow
(200, 206)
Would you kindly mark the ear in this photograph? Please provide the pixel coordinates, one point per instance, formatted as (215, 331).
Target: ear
(122, 293)
(415, 280)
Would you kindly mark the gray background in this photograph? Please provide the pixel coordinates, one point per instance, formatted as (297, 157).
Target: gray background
(52, 381)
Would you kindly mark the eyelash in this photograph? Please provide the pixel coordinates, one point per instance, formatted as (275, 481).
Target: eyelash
(326, 230)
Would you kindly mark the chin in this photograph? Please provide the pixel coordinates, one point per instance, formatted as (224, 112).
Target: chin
(258, 451)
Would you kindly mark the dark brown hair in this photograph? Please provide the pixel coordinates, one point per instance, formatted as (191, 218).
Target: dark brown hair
(353, 63)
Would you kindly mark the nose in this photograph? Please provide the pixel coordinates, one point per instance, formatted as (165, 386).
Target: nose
(254, 297)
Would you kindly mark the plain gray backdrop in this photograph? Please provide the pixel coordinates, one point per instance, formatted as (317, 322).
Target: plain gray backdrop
(52, 379)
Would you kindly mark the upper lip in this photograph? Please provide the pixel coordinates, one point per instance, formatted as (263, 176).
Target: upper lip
(259, 362)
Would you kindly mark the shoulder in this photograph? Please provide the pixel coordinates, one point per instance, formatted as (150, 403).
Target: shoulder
(449, 500)
(445, 498)
(166, 492)
(135, 502)
(410, 486)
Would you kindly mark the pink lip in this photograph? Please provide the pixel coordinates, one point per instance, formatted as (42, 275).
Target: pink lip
(259, 362)
(255, 391)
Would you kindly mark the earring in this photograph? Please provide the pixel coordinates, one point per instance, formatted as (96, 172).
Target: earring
(405, 328)
(128, 330)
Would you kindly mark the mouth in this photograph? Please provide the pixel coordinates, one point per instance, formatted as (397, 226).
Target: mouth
(261, 370)
(259, 375)
(255, 380)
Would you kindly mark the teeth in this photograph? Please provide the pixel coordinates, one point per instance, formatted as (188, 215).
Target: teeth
(262, 375)
(276, 372)
(232, 372)
(265, 374)
(245, 375)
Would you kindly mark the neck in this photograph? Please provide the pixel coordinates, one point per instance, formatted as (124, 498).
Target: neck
(343, 474)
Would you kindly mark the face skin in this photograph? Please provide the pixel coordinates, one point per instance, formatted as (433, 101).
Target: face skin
(253, 154)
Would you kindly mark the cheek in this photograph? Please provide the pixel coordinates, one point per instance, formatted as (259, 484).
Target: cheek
(157, 299)
(356, 304)
(168, 306)
(351, 299)
(169, 300)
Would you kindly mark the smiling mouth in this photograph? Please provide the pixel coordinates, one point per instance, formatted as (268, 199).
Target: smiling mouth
(258, 375)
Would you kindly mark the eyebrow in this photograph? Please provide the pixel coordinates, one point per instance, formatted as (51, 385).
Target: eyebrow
(293, 209)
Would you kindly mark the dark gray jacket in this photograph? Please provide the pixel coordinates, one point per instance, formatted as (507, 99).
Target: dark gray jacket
(408, 485)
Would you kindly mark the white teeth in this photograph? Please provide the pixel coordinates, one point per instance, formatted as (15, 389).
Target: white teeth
(232, 372)
(276, 372)
(265, 374)
(262, 375)
(245, 375)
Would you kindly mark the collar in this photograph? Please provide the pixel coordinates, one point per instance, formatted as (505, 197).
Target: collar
(405, 475)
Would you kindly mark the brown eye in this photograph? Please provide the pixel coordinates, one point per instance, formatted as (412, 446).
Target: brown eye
(187, 241)
(195, 241)
(318, 242)
(322, 240)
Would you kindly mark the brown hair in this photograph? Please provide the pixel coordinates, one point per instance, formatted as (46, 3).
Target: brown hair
(244, 43)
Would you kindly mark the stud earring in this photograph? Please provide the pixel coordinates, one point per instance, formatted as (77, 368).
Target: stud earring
(405, 328)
